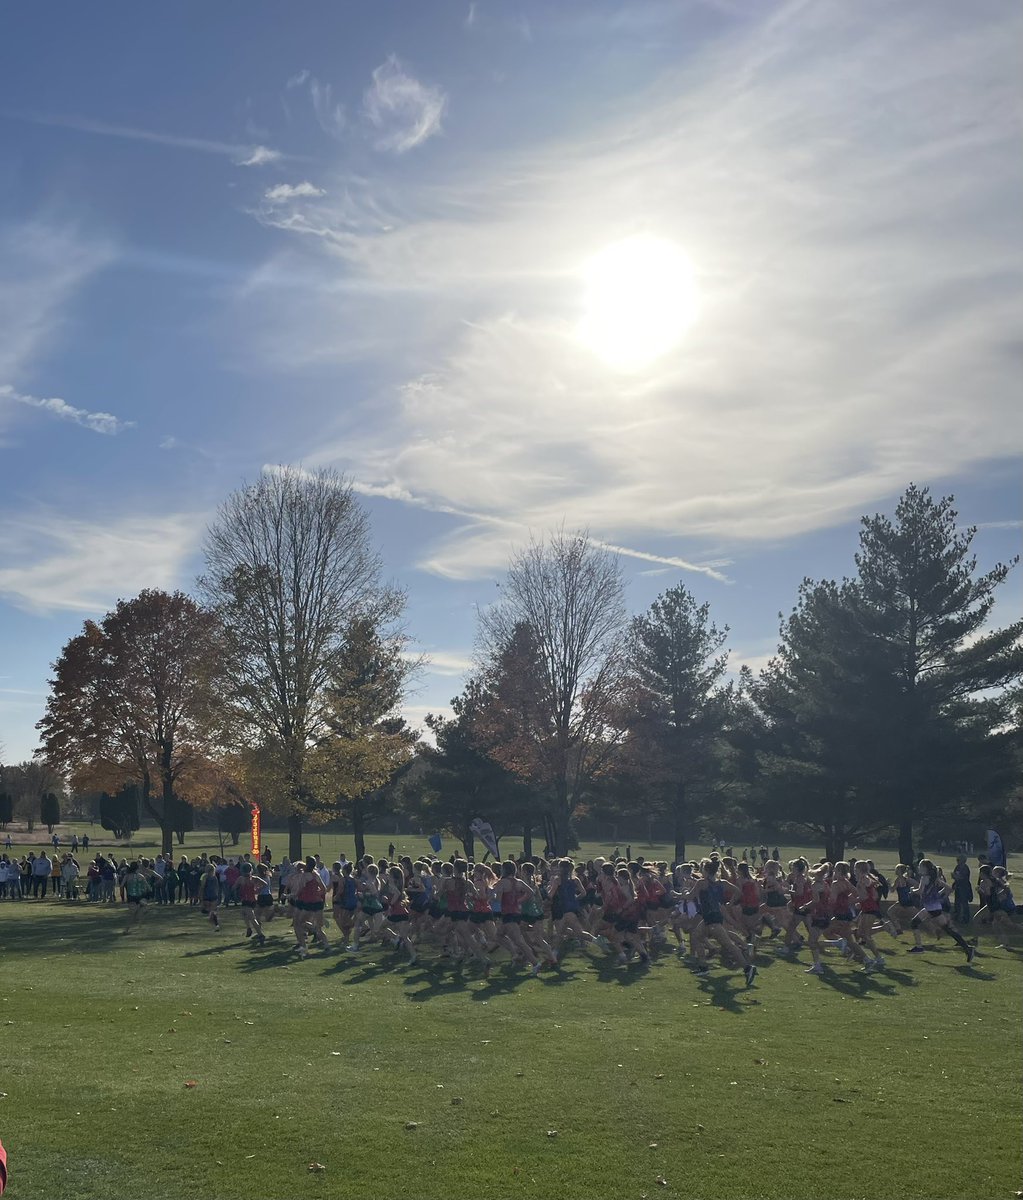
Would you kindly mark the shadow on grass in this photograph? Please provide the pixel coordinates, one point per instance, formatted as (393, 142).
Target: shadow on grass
(63, 927)
(972, 971)
(859, 985)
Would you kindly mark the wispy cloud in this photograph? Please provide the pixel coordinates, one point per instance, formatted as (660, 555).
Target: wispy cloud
(442, 662)
(709, 569)
(242, 155)
(298, 79)
(403, 111)
(53, 561)
(258, 156)
(43, 263)
(98, 422)
(330, 113)
(844, 315)
(283, 192)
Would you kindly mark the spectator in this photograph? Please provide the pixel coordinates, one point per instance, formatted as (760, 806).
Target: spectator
(40, 871)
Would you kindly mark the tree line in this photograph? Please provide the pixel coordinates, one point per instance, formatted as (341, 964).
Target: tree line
(891, 699)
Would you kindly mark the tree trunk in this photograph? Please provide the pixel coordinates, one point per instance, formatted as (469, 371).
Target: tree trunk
(295, 836)
(359, 830)
(527, 840)
(469, 846)
(679, 815)
(906, 842)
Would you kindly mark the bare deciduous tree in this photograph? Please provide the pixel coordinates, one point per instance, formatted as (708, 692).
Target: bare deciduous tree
(291, 569)
(557, 637)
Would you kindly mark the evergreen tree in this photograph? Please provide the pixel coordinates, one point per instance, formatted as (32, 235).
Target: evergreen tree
(948, 697)
(676, 737)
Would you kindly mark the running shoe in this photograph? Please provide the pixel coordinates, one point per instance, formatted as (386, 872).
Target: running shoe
(916, 950)
(603, 943)
(302, 952)
(701, 972)
(880, 963)
(535, 969)
(261, 939)
(248, 933)
(971, 954)
(841, 945)
(815, 969)
(751, 974)
(621, 960)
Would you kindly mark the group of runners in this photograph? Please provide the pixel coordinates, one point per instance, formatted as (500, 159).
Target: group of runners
(536, 911)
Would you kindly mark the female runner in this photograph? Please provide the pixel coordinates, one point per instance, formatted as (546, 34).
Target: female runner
(934, 898)
(511, 892)
(902, 910)
(843, 916)
(209, 894)
(868, 891)
(711, 894)
(568, 893)
(248, 890)
(396, 924)
(308, 890)
(345, 903)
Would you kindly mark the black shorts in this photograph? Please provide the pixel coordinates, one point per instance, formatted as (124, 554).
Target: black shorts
(264, 900)
(751, 912)
(458, 916)
(511, 918)
(627, 926)
(821, 922)
(844, 916)
(481, 918)
(394, 918)
(713, 919)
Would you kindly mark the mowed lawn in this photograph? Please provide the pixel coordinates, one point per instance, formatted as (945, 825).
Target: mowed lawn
(428, 1081)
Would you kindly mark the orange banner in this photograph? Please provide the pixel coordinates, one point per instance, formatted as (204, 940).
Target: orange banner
(256, 832)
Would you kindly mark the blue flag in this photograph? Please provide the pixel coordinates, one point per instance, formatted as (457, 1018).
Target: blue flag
(435, 843)
(995, 849)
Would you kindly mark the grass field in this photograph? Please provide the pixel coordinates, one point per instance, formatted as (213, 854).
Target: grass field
(591, 1081)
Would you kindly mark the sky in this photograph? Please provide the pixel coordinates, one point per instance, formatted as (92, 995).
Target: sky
(363, 236)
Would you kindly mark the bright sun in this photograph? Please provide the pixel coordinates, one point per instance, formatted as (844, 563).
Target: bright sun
(640, 298)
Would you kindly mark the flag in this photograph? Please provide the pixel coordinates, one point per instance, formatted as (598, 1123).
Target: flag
(485, 832)
(995, 849)
(435, 842)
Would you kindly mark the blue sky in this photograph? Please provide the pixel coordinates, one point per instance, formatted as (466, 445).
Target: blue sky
(244, 234)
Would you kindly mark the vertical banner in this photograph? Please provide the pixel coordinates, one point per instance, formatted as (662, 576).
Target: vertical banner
(257, 847)
(435, 843)
(995, 849)
(485, 832)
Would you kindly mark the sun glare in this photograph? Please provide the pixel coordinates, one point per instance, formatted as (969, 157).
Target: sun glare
(640, 298)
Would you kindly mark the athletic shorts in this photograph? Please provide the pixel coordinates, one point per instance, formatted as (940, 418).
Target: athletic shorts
(714, 919)
(844, 916)
(751, 912)
(821, 922)
(458, 916)
(264, 900)
(627, 926)
(395, 917)
(511, 918)
(481, 918)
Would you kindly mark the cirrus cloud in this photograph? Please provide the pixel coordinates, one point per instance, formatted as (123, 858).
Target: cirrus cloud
(404, 111)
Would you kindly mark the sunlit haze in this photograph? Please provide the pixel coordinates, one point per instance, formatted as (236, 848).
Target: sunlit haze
(639, 299)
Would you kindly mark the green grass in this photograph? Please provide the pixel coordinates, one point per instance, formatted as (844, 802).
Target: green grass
(898, 1085)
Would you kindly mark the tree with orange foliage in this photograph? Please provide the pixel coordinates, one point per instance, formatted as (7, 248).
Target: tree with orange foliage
(137, 697)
